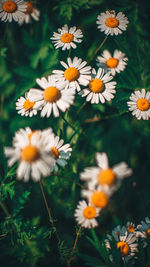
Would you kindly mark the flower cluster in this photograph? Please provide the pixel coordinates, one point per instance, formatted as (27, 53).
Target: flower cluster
(18, 10)
(39, 152)
(101, 182)
(126, 239)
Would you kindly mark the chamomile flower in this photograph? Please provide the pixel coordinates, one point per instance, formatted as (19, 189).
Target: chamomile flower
(76, 73)
(143, 229)
(52, 98)
(85, 215)
(104, 175)
(31, 12)
(99, 88)
(112, 64)
(31, 154)
(98, 197)
(12, 10)
(25, 107)
(111, 23)
(66, 38)
(139, 104)
(60, 151)
(125, 242)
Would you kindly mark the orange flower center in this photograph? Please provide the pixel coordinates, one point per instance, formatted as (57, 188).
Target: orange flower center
(55, 152)
(130, 228)
(67, 37)
(124, 248)
(30, 153)
(28, 105)
(143, 104)
(89, 212)
(112, 22)
(29, 9)
(96, 86)
(106, 177)
(99, 199)
(51, 94)
(112, 62)
(9, 6)
(148, 231)
(71, 74)
(30, 135)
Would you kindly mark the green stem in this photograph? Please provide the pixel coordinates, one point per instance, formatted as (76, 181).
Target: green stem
(74, 246)
(4, 209)
(97, 50)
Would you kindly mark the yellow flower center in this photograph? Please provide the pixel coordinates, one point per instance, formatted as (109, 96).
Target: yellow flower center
(112, 62)
(9, 6)
(96, 86)
(148, 231)
(106, 177)
(28, 105)
(67, 37)
(99, 199)
(130, 228)
(29, 9)
(71, 74)
(30, 153)
(143, 104)
(51, 94)
(55, 152)
(112, 22)
(89, 212)
(124, 248)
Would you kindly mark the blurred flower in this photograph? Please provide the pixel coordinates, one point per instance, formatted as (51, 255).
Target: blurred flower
(60, 151)
(98, 197)
(125, 242)
(31, 11)
(76, 73)
(130, 227)
(112, 64)
(85, 215)
(99, 88)
(110, 23)
(103, 175)
(66, 37)
(140, 104)
(25, 107)
(143, 230)
(53, 96)
(31, 154)
(12, 10)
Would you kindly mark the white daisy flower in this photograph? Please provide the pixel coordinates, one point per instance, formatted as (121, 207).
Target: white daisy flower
(112, 23)
(112, 64)
(31, 154)
(125, 242)
(103, 175)
(66, 38)
(140, 104)
(143, 229)
(12, 10)
(52, 98)
(31, 12)
(25, 107)
(76, 73)
(85, 215)
(98, 197)
(60, 151)
(99, 88)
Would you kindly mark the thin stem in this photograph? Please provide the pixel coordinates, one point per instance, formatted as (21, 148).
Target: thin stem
(83, 105)
(96, 119)
(69, 54)
(69, 123)
(5, 34)
(97, 50)
(74, 246)
(83, 187)
(2, 104)
(4, 209)
(48, 210)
